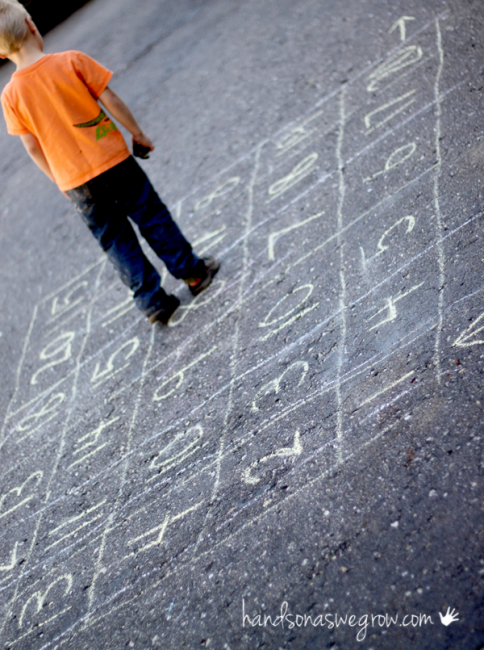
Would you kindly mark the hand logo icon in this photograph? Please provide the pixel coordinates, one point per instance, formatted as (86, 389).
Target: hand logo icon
(449, 617)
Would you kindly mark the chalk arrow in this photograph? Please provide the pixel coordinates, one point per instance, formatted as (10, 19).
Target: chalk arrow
(401, 26)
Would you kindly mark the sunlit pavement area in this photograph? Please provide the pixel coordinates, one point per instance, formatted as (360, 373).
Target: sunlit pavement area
(295, 461)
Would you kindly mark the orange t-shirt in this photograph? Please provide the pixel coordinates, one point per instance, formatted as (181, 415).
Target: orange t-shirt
(55, 99)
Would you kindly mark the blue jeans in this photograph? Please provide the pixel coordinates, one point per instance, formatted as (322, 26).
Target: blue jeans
(105, 202)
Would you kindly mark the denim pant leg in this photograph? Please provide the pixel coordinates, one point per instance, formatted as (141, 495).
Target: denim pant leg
(156, 225)
(117, 238)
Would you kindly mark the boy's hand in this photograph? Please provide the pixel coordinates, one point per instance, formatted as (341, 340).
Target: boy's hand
(144, 141)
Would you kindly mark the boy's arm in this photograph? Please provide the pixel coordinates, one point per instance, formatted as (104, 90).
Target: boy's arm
(34, 150)
(121, 112)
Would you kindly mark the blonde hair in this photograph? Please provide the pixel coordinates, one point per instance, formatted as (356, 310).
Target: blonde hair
(13, 28)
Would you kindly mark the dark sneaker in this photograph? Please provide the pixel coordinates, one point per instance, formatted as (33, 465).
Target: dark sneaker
(211, 267)
(164, 314)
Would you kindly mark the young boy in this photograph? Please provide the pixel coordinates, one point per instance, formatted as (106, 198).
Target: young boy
(51, 102)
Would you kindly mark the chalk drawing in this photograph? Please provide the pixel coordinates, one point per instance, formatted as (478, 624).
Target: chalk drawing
(34, 481)
(401, 59)
(274, 235)
(300, 171)
(341, 272)
(391, 307)
(187, 443)
(166, 459)
(274, 385)
(438, 212)
(179, 376)
(297, 134)
(58, 453)
(387, 388)
(398, 157)
(209, 239)
(99, 376)
(203, 299)
(39, 597)
(269, 323)
(218, 192)
(291, 139)
(68, 302)
(89, 440)
(118, 311)
(18, 373)
(98, 569)
(62, 345)
(13, 560)
(381, 246)
(400, 25)
(74, 520)
(284, 452)
(469, 336)
(45, 414)
(235, 337)
(368, 119)
(159, 531)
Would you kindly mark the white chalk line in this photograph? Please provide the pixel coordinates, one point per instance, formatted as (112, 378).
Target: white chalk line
(341, 273)
(438, 170)
(235, 346)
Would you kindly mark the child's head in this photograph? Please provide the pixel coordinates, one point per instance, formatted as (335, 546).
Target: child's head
(14, 28)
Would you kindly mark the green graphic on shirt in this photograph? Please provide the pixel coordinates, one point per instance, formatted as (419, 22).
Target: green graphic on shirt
(93, 122)
(102, 129)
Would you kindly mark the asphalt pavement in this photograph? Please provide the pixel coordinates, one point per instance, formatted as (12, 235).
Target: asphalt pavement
(296, 460)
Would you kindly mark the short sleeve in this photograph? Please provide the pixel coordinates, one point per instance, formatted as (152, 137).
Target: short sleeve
(14, 124)
(93, 74)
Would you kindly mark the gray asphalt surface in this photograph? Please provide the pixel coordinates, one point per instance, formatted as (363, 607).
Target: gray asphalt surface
(296, 460)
